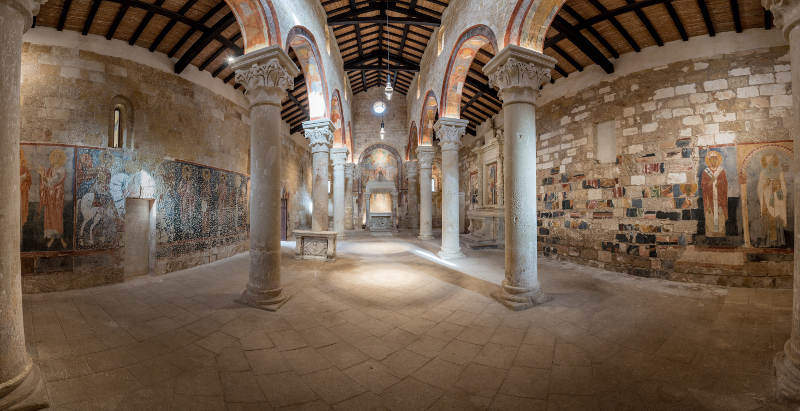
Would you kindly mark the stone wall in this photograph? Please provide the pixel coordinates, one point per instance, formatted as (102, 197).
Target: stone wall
(184, 146)
(701, 188)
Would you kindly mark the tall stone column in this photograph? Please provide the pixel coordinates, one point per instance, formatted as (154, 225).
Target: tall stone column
(265, 74)
(20, 384)
(425, 155)
(412, 172)
(449, 131)
(320, 135)
(339, 158)
(518, 73)
(786, 15)
(349, 169)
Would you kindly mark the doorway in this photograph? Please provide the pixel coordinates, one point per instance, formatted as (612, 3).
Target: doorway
(137, 234)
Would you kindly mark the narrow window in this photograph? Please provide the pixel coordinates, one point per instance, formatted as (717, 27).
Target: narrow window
(115, 138)
(606, 142)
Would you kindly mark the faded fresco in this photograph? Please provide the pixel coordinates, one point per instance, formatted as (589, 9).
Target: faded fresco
(311, 70)
(47, 194)
(336, 119)
(718, 198)
(473, 188)
(491, 184)
(429, 111)
(767, 205)
(379, 160)
(471, 42)
(199, 208)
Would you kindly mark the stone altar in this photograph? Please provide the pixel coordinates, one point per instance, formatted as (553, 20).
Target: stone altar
(315, 245)
(381, 221)
(485, 218)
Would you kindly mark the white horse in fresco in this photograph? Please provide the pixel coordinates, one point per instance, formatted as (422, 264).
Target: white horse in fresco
(90, 213)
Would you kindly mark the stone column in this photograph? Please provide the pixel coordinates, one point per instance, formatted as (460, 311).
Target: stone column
(518, 73)
(349, 169)
(449, 131)
(20, 384)
(339, 158)
(786, 15)
(265, 74)
(412, 172)
(320, 135)
(425, 155)
(501, 185)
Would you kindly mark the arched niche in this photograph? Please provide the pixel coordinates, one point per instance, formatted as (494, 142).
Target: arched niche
(258, 22)
(430, 113)
(468, 44)
(337, 118)
(305, 47)
(380, 158)
(530, 21)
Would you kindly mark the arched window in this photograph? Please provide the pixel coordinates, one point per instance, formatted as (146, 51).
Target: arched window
(120, 129)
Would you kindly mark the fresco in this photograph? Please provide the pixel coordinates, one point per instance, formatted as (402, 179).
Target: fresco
(467, 47)
(718, 197)
(309, 61)
(377, 161)
(102, 186)
(47, 194)
(491, 184)
(767, 206)
(200, 207)
(336, 118)
(413, 138)
(429, 111)
(538, 16)
(473, 188)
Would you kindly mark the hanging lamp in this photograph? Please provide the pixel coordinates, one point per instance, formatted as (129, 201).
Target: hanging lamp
(388, 90)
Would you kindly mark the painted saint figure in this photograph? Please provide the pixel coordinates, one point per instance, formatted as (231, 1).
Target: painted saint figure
(772, 197)
(186, 196)
(51, 193)
(715, 195)
(492, 200)
(25, 181)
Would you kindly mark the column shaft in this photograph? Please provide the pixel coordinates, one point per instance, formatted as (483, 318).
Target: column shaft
(339, 157)
(319, 133)
(348, 197)
(425, 155)
(18, 384)
(412, 171)
(450, 131)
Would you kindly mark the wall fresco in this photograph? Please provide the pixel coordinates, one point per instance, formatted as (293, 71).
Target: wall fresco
(309, 61)
(429, 114)
(377, 161)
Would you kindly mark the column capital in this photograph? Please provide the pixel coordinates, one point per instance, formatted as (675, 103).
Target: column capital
(266, 74)
(339, 157)
(349, 170)
(319, 134)
(426, 154)
(28, 9)
(518, 73)
(786, 14)
(412, 170)
(449, 130)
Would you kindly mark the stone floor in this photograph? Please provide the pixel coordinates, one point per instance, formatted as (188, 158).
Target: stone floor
(389, 326)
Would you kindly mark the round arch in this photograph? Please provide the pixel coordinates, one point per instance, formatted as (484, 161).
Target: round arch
(337, 118)
(258, 22)
(430, 112)
(302, 42)
(398, 162)
(464, 51)
(530, 21)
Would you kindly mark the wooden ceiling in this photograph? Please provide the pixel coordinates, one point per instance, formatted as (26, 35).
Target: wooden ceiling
(204, 33)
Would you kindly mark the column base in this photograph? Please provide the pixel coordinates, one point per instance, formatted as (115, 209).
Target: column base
(270, 301)
(341, 236)
(451, 254)
(29, 395)
(425, 237)
(787, 373)
(518, 299)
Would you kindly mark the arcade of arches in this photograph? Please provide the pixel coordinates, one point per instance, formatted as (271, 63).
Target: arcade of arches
(563, 205)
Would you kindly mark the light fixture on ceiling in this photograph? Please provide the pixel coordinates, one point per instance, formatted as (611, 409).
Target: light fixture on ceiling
(383, 132)
(388, 90)
(379, 107)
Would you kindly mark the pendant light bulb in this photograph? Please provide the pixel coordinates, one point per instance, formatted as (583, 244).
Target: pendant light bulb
(388, 90)
(383, 131)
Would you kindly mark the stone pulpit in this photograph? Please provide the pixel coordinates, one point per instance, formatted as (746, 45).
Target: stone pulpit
(381, 197)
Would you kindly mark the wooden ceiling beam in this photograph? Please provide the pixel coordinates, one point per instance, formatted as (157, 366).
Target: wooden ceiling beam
(677, 21)
(767, 20)
(706, 17)
(63, 18)
(567, 57)
(90, 18)
(191, 32)
(646, 22)
(737, 20)
(218, 53)
(575, 15)
(204, 41)
(614, 22)
(170, 24)
(584, 45)
(472, 100)
(145, 21)
(117, 20)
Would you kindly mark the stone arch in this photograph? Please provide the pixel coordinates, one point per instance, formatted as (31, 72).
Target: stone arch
(258, 22)
(368, 151)
(464, 51)
(337, 118)
(302, 42)
(530, 21)
(430, 112)
(413, 142)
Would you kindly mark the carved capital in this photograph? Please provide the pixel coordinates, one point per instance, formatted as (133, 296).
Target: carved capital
(265, 74)
(349, 170)
(786, 14)
(412, 170)
(518, 73)
(425, 155)
(319, 134)
(339, 157)
(28, 9)
(449, 131)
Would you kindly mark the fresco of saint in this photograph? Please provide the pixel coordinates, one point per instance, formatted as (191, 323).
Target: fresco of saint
(772, 193)
(186, 197)
(715, 195)
(51, 193)
(25, 181)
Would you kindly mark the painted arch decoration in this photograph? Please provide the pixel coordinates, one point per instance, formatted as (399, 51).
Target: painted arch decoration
(413, 142)
(530, 21)
(302, 42)
(258, 23)
(337, 118)
(430, 110)
(349, 143)
(464, 52)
